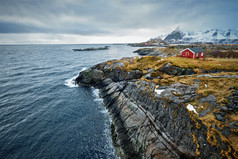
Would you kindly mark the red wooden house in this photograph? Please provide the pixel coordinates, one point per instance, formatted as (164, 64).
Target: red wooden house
(193, 52)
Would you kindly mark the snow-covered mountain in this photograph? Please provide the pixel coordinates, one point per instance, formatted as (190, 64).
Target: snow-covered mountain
(212, 35)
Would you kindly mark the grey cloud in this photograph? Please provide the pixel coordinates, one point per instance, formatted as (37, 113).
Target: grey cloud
(87, 17)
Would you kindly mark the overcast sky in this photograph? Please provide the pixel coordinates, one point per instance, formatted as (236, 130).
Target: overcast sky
(109, 21)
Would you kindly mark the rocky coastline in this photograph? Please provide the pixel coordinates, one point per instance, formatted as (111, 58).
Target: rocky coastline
(154, 121)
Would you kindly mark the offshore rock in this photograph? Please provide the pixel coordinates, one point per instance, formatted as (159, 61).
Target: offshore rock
(145, 51)
(92, 49)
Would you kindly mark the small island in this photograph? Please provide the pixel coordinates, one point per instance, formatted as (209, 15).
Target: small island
(92, 49)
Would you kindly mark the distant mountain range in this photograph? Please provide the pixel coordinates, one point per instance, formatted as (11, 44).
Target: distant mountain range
(212, 35)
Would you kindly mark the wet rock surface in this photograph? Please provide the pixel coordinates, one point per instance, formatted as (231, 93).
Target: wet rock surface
(157, 125)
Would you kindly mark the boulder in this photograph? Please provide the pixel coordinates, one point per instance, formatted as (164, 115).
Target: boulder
(176, 71)
(90, 77)
(220, 116)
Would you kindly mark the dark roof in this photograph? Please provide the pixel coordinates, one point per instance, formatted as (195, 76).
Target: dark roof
(196, 49)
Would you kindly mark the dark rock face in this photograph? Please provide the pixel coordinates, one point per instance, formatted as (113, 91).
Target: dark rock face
(139, 125)
(212, 71)
(177, 71)
(211, 99)
(153, 125)
(98, 73)
(174, 36)
(233, 101)
(90, 77)
(220, 116)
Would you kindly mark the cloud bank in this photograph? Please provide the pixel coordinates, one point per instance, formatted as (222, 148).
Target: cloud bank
(99, 21)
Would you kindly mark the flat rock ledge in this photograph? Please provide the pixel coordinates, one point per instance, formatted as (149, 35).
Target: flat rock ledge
(147, 124)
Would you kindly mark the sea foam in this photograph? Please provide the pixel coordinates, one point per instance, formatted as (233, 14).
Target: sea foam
(96, 95)
(71, 82)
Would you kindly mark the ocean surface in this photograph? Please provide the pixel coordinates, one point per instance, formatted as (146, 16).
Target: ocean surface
(43, 114)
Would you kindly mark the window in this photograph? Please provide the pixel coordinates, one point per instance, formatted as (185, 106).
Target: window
(202, 54)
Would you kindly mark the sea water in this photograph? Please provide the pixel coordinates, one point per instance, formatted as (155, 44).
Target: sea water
(43, 114)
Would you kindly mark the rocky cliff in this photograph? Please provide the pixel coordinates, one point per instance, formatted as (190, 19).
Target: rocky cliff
(156, 116)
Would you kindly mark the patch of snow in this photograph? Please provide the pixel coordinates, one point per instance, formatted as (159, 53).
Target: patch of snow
(162, 36)
(191, 108)
(206, 75)
(175, 92)
(159, 91)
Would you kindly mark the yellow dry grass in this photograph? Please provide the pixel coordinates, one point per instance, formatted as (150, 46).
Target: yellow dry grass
(143, 63)
(170, 51)
(214, 134)
(219, 87)
(208, 64)
(234, 140)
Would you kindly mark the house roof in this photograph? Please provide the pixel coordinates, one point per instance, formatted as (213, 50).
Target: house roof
(196, 49)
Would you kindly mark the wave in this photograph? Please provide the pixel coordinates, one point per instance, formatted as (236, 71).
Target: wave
(96, 95)
(98, 99)
(104, 111)
(71, 82)
(111, 152)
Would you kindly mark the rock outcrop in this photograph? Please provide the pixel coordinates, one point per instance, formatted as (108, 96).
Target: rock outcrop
(157, 51)
(145, 51)
(153, 121)
(177, 71)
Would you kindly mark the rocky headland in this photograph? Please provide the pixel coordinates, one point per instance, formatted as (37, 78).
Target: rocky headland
(169, 108)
